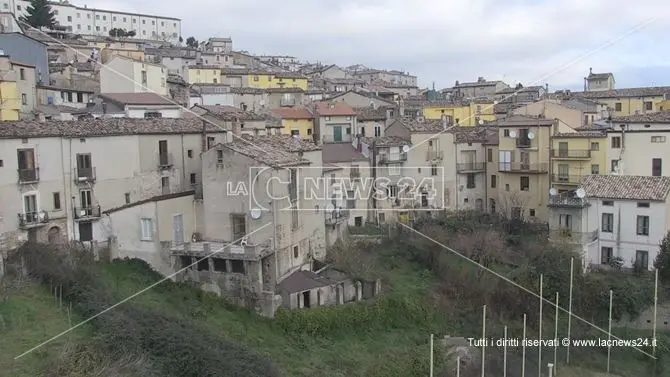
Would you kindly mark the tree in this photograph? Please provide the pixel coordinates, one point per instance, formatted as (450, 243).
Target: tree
(662, 262)
(131, 33)
(39, 14)
(117, 32)
(192, 42)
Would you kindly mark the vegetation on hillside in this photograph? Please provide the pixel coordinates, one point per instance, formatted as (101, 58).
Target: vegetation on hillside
(174, 329)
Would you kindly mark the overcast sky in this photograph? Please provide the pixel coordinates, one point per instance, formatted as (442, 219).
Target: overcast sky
(529, 41)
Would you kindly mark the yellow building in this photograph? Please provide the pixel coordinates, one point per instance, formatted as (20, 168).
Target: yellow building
(575, 155)
(522, 167)
(9, 93)
(204, 74)
(268, 80)
(628, 101)
(296, 121)
(664, 105)
(462, 114)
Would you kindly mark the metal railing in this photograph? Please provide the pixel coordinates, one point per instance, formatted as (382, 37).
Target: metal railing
(33, 218)
(566, 179)
(84, 174)
(567, 201)
(165, 160)
(390, 159)
(523, 143)
(523, 167)
(434, 155)
(569, 235)
(470, 166)
(29, 175)
(570, 153)
(344, 138)
(87, 212)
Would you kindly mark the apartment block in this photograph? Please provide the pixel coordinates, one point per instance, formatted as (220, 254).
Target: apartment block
(125, 75)
(575, 155)
(637, 144)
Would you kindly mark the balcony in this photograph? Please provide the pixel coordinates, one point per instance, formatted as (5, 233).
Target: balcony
(87, 213)
(572, 236)
(569, 154)
(84, 175)
(165, 161)
(287, 102)
(393, 159)
(33, 219)
(339, 139)
(236, 251)
(29, 175)
(470, 167)
(337, 216)
(567, 201)
(520, 167)
(523, 143)
(566, 179)
(432, 155)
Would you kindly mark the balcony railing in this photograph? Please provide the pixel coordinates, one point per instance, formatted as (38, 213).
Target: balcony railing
(344, 138)
(84, 174)
(572, 236)
(392, 159)
(569, 201)
(520, 167)
(31, 219)
(165, 160)
(432, 155)
(470, 167)
(29, 175)
(337, 216)
(566, 179)
(523, 143)
(87, 212)
(570, 153)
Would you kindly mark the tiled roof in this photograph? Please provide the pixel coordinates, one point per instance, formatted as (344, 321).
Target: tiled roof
(103, 127)
(370, 113)
(627, 187)
(422, 125)
(525, 89)
(285, 142)
(262, 91)
(341, 152)
(300, 281)
(654, 91)
(230, 113)
(472, 134)
(143, 98)
(293, 112)
(581, 133)
(265, 152)
(334, 108)
(477, 84)
(657, 117)
(521, 120)
(385, 141)
(599, 75)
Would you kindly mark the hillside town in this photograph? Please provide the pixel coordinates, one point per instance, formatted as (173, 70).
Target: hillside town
(118, 131)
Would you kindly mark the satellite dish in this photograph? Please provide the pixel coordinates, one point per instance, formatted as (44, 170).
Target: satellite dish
(296, 136)
(256, 213)
(405, 148)
(580, 193)
(512, 134)
(82, 213)
(531, 135)
(495, 102)
(553, 192)
(481, 121)
(244, 242)
(41, 215)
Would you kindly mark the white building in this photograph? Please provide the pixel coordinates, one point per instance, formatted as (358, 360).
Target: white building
(126, 75)
(58, 177)
(638, 144)
(620, 216)
(91, 21)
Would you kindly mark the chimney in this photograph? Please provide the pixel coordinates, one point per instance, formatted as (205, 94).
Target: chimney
(445, 122)
(590, 71)
(546, 88)
(41, 117)
(236, 127)
(104, 107)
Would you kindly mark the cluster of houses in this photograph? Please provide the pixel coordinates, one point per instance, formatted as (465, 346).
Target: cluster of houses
(244, 169)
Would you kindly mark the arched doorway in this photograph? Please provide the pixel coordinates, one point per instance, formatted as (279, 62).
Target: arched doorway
(54, 234)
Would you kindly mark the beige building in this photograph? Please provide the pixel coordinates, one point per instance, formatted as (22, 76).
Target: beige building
(638, 144)
(334, 122)
(478, 89)
(241, 122)
(258, 214)
(126, 75)
(552, 109)
(59, 176)
(595, 82)
(24, 78)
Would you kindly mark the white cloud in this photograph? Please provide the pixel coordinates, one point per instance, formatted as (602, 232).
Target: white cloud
(439, 40)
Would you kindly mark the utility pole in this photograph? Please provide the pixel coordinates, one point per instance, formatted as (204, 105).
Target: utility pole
(374, 181)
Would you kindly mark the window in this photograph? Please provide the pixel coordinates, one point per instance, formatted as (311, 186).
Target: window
(147, 229)
(615, 166)
(296, 252)
(608, 223)
(69, 18)
(351, 199)
(608, 203)
(617, 106)
(433, 170)
(80, 97)
(643, 205)
(643, 225)
(97, 28)
(658, 139)
(127, 197)
(531, 212)
(489, 155)
(378, 131)
(393, 191)
(595, 169)
(192, 178)
(22, 73)
(24, 99)
(104, 18)
(97, 16)
(524, 183)
(606, 255)
(494, 182)
(85, 231)
(219, 156)
(239, 227)
(189, 153)
(642, 259)
(616, 141)
(506, 133)
(595, 146)
(327, 118)
(471, 180)
(656, 167)
(57, 201)
(165, 185)
(648, 106)
(516, 213)
(144, 22)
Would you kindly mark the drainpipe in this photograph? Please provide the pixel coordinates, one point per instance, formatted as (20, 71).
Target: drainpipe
(274, 227)
(183, 165)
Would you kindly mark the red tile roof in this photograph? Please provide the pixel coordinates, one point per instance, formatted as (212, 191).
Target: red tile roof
(293, 113)
(335, 108)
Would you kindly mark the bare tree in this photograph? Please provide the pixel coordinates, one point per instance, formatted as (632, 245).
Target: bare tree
(512, 205)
